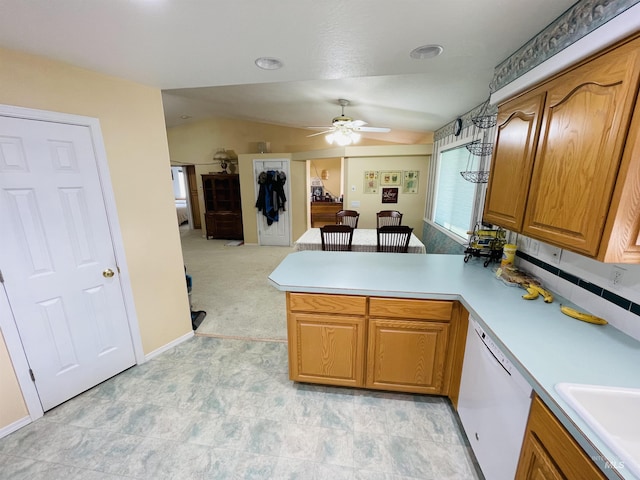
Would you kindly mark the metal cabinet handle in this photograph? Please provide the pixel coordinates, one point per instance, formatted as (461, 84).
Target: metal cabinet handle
(108, 273)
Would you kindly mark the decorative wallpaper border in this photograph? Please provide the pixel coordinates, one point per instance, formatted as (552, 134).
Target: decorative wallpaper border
(578, 21)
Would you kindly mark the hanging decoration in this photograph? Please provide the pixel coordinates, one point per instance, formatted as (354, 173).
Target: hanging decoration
(479, 148)
(483, 118)
(271, 197)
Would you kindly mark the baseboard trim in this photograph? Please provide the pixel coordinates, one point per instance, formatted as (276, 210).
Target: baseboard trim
(18, 424)
(168, 346)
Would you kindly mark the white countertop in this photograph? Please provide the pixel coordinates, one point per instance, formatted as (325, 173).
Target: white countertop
(545, 345)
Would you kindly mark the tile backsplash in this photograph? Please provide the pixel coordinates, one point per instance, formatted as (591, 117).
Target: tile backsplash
(586, 282)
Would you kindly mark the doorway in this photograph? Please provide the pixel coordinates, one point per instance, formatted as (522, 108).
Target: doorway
(185, 194)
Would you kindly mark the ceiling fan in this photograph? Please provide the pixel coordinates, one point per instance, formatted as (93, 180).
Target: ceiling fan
(345, 130)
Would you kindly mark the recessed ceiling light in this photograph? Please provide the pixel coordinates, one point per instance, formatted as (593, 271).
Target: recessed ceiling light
(426, 51)
(268, 63)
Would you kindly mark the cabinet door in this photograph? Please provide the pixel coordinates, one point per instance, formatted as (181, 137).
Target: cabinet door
(621, 240)
(406, 355)
(224, 225)
(583, 130)
(512, 162)
(535, 462)
(326, 348)
(550, 452)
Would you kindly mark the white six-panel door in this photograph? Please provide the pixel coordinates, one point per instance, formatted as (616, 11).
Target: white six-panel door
(278, 233)
(56, 255)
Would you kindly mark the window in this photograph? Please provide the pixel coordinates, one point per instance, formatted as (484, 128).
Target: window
(455, 197)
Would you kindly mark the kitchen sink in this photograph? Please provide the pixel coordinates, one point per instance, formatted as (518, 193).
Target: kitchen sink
(612, 412)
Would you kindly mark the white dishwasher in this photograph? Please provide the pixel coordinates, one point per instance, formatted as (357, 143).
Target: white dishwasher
(493, 405)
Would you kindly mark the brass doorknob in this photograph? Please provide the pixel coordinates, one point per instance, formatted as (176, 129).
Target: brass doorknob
(108, 273)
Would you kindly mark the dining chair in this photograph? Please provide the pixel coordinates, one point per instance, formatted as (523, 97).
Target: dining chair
(347, 217)
(336, 237)
(389, 217)
(394, 238)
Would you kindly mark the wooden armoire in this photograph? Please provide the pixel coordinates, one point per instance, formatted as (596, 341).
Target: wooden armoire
(223, 209)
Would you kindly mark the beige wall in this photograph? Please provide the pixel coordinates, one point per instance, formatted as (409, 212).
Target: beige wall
(132, 123)
(12, 407)
(411, 205)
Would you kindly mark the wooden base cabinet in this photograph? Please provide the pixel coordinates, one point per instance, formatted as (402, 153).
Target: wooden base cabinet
(549, 452)
(326, 338)
(394, 344)
(407, 350)
(324, 213)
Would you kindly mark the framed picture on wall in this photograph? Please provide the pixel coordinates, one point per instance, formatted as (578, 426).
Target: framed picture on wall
(410, 181)
(390, 178)
(390, 195)
(317, 192)
(370, 182)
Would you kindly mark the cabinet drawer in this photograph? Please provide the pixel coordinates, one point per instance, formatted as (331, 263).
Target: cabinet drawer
(403, 308)
(343, 304)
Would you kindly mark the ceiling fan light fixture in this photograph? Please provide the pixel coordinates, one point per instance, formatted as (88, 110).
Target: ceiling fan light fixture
(343, 137)
(268, 63)
(426, 51)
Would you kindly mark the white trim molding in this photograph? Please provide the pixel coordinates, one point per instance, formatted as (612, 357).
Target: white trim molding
(169, 346)
(18, 424)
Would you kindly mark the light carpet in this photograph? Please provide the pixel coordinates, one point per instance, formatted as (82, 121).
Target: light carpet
(230, 283)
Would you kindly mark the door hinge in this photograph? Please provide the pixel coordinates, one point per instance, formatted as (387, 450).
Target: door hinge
(33, 377)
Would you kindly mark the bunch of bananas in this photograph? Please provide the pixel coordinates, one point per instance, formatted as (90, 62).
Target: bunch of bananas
(585, 317)
(534, 291)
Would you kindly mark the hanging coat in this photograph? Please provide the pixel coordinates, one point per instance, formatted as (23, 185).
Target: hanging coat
(271, 197)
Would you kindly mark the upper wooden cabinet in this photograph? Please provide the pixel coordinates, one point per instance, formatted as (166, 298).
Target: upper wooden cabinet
(580, 188)
(517, 136)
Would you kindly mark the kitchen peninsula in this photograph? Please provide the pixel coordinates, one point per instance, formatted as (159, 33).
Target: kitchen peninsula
(546, 346)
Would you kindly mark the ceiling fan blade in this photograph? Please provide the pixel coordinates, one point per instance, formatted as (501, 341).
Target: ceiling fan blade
(320, 128)
(372, 129)
(319, 133)
(358, 123)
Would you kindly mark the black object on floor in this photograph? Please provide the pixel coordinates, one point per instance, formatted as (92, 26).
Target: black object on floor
(197, 318)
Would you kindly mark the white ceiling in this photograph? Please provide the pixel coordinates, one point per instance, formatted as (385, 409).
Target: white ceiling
(201, 53)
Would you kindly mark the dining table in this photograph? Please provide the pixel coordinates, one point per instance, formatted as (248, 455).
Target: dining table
(364, 240)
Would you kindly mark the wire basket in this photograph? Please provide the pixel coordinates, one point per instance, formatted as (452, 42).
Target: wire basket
(476, 176)
(483, 118)
(485, 121)
(480, 149)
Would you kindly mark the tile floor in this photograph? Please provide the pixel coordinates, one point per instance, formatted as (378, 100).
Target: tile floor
(215, 408)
